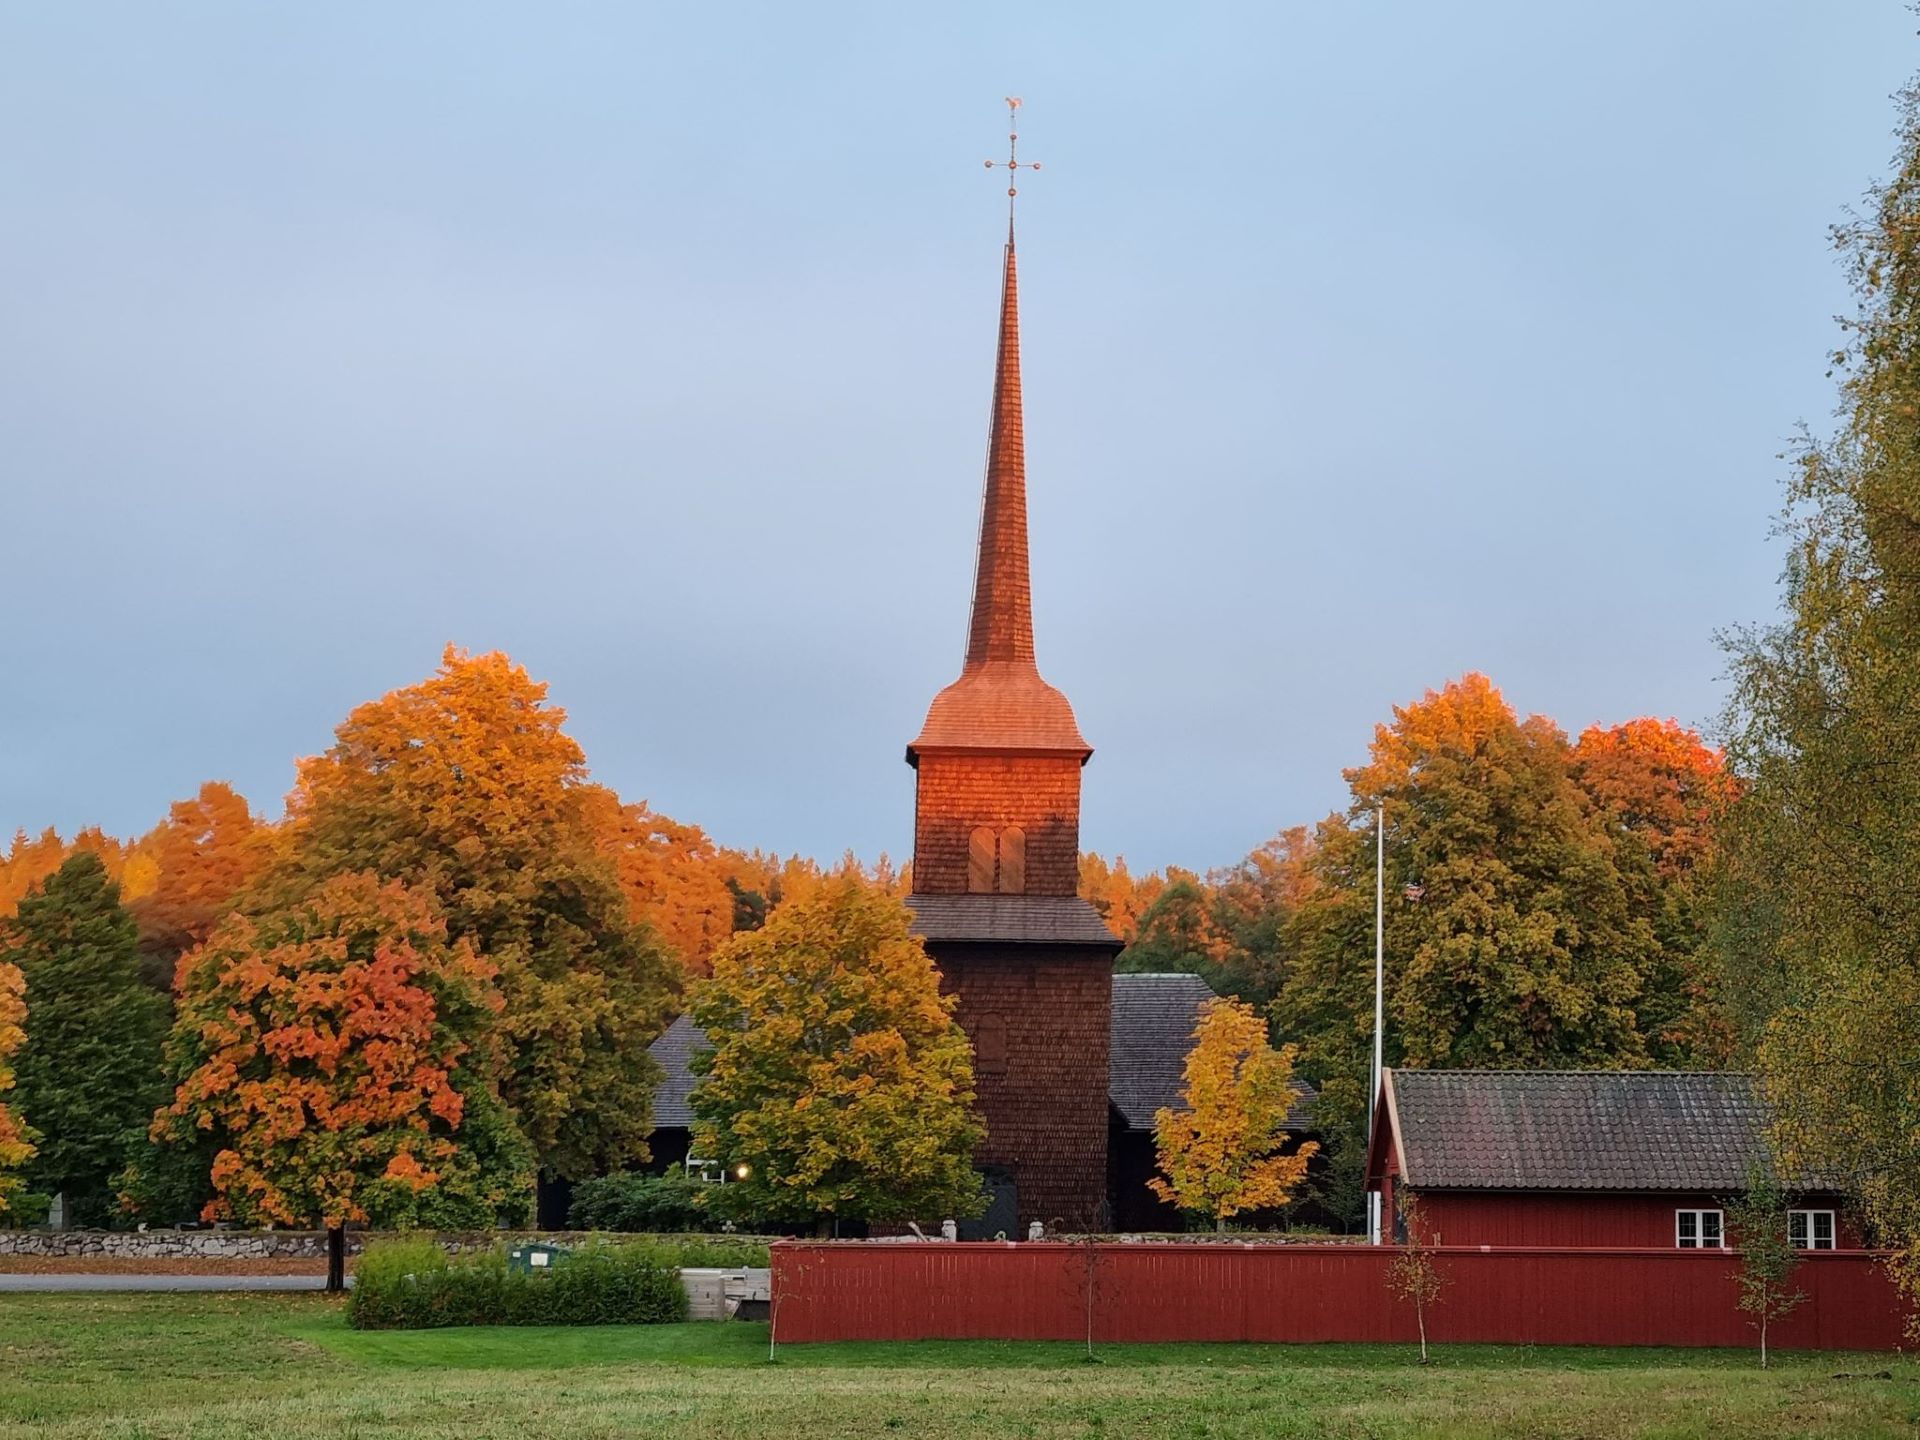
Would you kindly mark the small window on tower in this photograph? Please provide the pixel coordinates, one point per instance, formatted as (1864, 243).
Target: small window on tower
(980, 861)
(1013, 861)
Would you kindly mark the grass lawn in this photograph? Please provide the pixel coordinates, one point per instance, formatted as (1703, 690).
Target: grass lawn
(277, 1365)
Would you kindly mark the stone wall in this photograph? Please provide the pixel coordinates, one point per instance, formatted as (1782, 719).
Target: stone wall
(231, 1244)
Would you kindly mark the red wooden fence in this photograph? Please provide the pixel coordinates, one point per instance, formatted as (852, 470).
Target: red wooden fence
(829, 1291)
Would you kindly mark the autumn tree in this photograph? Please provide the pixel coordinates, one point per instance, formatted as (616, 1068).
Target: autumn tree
(1121, 897)
(335, 1050)
(1415, 1275)
(29, 861)
(1758, 1221)
(1662, 792)
(16, 1139)
(467, 787)
(1511, 936)
(1230, 927)
(838, 1078)
(1817, 916)
(202, 858)
(1224, 1154)
(672, 875)
(89, 1072)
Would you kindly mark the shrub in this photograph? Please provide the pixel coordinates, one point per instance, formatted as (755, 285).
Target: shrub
(630, 1202)
(413, 1284)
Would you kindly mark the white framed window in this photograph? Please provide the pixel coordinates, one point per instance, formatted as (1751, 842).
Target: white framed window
(1811, 1229)
(1698, 1229)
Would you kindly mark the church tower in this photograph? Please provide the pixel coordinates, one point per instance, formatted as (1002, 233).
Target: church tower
(996, 860)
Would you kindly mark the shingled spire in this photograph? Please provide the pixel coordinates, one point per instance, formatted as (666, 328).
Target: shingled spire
(1000, 702)
(1002, 627)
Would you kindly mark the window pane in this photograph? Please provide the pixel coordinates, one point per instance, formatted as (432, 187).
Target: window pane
(1823, 1230)
(1797, 1228)
(1688, 1231)
(1709, 1227)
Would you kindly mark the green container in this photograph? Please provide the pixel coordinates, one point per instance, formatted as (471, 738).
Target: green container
(536, 1255)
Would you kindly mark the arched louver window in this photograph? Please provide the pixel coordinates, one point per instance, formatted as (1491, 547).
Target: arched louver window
(980, 848)
(1013, 861)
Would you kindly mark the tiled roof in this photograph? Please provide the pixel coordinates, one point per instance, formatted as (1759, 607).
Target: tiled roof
(1577, 1129)
(1153, 1020)
(1017, 919)
(674, 1051)
(1153, 1023)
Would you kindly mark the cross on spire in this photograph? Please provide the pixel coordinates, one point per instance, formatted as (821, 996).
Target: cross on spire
(1013, 164)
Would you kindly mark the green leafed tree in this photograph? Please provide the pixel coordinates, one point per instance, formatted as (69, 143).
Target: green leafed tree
(1818, 915)
(89, 1073)
(1511, 937)
(838, 1084)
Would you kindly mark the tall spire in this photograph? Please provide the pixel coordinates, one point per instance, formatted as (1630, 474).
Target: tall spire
(1002, 627)
(1000, 702)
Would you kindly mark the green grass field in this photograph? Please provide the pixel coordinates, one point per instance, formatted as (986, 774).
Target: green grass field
(263, 1365)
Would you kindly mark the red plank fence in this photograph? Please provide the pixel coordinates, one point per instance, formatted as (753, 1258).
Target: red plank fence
(1303, 1293)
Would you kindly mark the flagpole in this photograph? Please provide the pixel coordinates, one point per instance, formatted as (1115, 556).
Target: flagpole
(1379, 997)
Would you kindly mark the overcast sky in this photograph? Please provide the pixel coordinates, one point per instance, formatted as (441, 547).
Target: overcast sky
(1364, 345)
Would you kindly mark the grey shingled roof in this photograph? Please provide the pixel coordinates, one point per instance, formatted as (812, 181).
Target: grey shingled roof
(1620, 1130)
(674, 1051)
(1014, 919)
(1153, 1022)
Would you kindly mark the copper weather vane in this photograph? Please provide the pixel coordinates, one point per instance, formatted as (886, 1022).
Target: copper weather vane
(1013, 163)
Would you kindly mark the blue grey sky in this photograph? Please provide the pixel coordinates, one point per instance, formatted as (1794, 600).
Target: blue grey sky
(1364, 345)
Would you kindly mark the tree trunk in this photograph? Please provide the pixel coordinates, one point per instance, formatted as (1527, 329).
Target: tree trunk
(336, 1259)
(1219, 1224)
(1420, 1314)
(823, 1228)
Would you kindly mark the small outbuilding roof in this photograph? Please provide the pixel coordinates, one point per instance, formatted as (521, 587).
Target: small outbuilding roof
(1604, 1130)
(1154, 1017)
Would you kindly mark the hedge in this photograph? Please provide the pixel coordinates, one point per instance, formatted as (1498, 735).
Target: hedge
(414, 1285)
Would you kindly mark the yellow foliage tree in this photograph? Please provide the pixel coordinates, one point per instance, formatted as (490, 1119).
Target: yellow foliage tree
(1223, 1155)
(839, 1084)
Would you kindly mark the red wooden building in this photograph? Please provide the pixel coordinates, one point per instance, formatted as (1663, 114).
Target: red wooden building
(1580, 1158)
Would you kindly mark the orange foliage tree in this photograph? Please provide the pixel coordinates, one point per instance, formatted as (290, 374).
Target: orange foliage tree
(467, 786)
(333, 1049)
(16, 1141)
(195, 865)
(673, 876)
(1223, 1155)
(1663, 793)
(29, 861)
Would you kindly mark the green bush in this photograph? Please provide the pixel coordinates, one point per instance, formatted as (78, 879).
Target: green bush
(414, 1285)
(690, 1252)
(630, 1202)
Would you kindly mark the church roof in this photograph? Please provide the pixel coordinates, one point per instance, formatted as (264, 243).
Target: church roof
(673, 1052)
(1000, 702)
(1154, 1017)
(1153, 1020)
